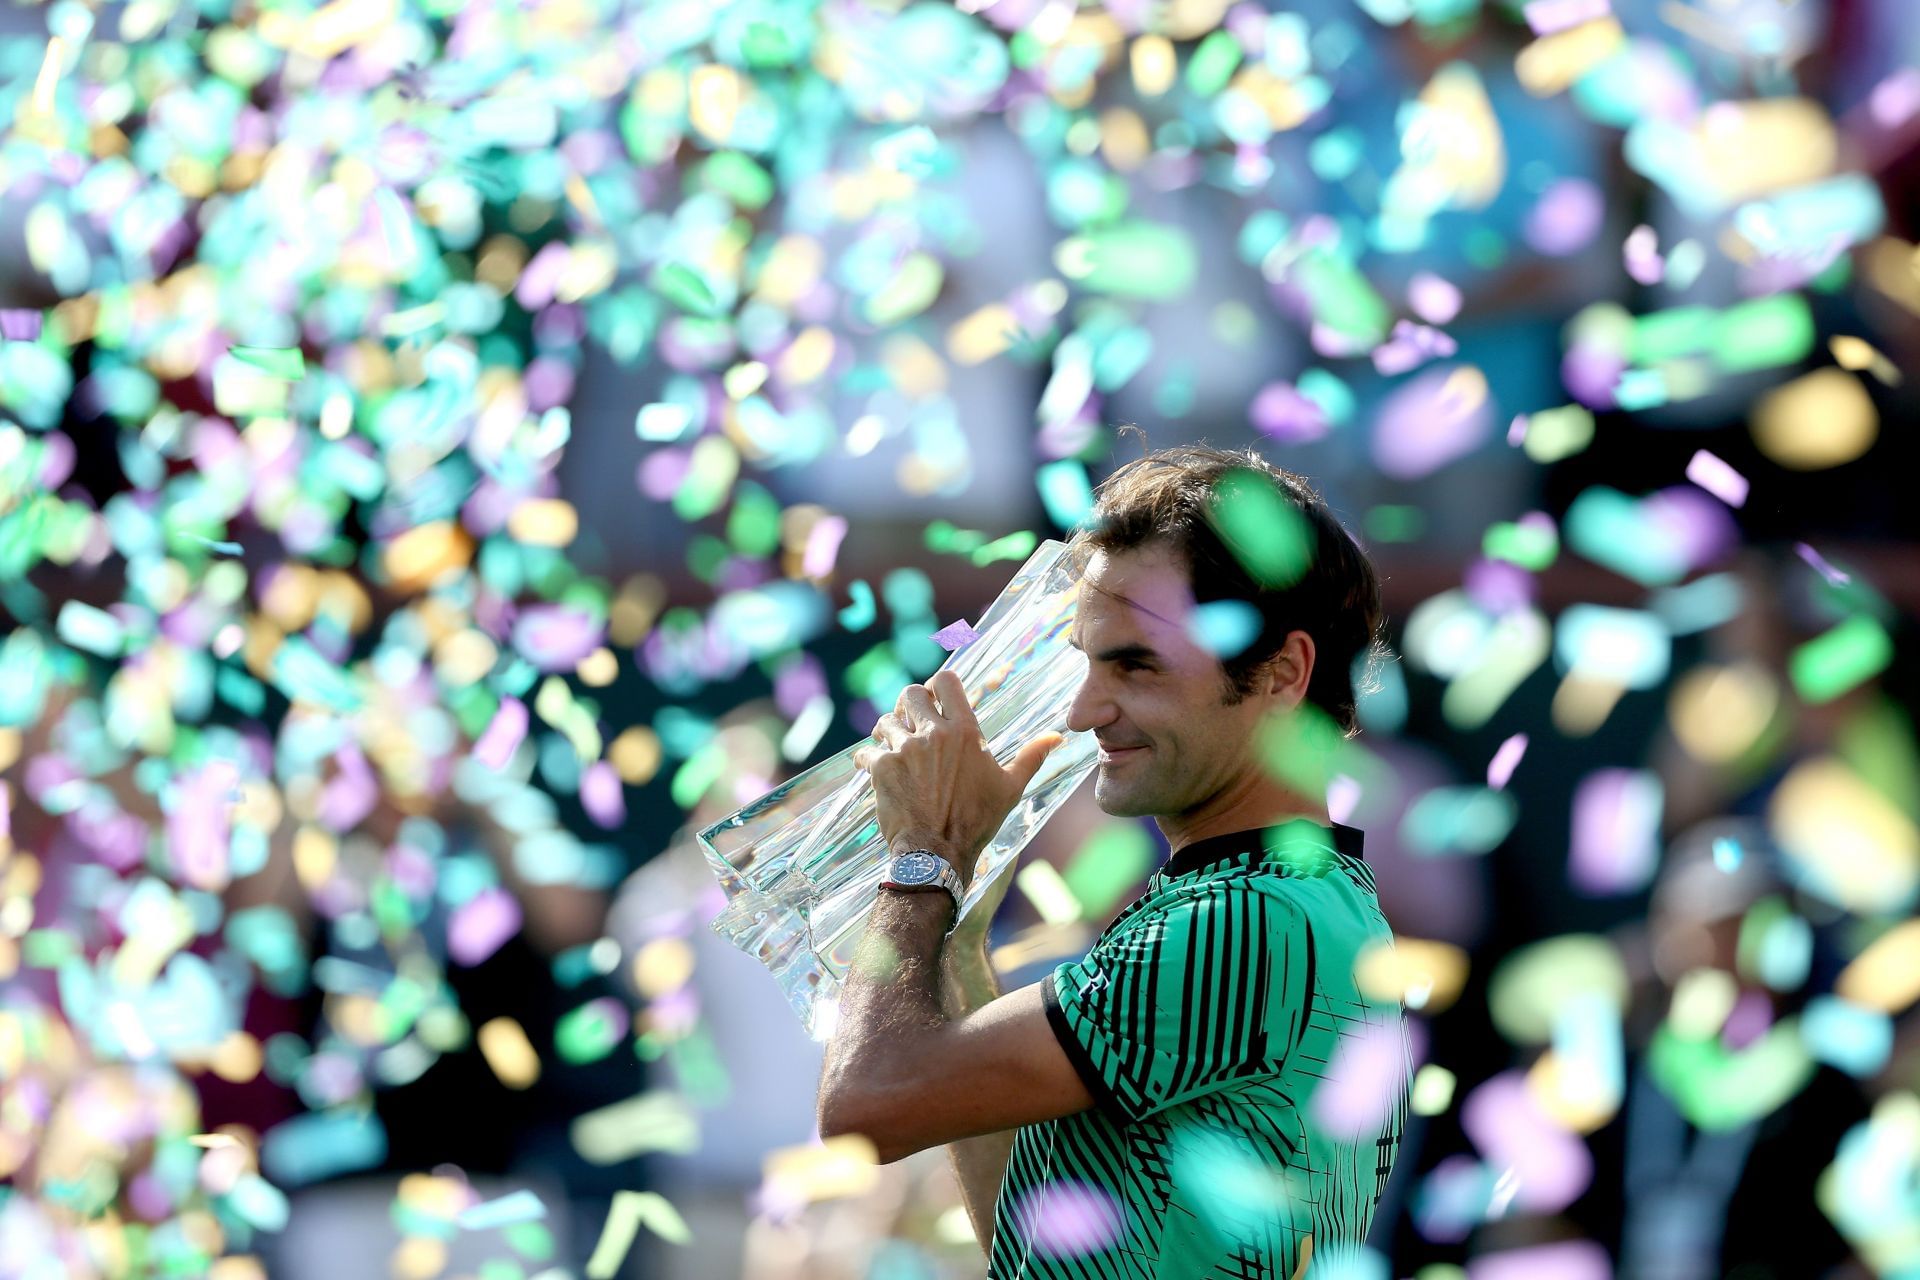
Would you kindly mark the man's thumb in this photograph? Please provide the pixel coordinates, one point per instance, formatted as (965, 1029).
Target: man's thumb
(1032, 756)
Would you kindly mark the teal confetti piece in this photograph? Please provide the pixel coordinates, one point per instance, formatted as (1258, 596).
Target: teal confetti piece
(1066, 492)
(300, 672)
(93, 630)
(859, 615)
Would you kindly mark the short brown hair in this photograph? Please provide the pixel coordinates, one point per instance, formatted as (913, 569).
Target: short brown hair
(1170, 497)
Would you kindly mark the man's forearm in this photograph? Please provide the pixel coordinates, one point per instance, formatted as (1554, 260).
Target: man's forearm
(889, 1007)
(967, 982)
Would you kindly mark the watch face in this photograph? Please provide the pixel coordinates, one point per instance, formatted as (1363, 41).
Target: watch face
(915, 868)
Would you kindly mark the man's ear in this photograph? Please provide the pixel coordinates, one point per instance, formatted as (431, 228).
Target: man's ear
(1289, 672)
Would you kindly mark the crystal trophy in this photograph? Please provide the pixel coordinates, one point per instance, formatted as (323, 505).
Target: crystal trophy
(802, 865)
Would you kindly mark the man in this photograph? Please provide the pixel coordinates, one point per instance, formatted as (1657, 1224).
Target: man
(1149, 1110)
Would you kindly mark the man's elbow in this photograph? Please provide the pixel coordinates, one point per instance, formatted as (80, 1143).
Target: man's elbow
(846, 1117)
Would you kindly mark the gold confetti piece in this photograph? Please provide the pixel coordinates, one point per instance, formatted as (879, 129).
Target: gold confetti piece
(1821, 420)
(1860, 356)
(714, 95)
(844, 1166)
(212, 1140)
(1154, 65)
(1718, 712)
(983, 335)
(636, 755)
(652, 1121)
(419, 557)
(509, 1053)
(1885, 976)
(49, 77)
(1552, 63)
(632, 1210)
(1748, 149)
(1426, 974)
(662, 966)
(544, 522)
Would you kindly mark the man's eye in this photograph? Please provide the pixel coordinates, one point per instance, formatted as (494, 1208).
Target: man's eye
(1128, 664)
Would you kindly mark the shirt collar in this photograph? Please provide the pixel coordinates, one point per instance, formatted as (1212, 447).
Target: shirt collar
(1201, 853)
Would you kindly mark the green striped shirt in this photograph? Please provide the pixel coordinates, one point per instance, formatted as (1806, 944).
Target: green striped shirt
(1202, 1021)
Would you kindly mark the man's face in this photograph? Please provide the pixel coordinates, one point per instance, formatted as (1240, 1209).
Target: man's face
(1151, 688)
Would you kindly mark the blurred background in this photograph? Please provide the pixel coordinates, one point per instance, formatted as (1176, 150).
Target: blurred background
(450, 454)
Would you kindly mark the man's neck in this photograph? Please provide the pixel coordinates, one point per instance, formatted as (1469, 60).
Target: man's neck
(1181, 833)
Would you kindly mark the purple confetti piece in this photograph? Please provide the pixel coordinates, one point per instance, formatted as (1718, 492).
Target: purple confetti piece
(1562, 1260)
(1410, 346)
(1365, 1077)
(555, 637)
(1837, 577)
(823, 546)
(503, 734)
(20, 325)
(1070, 1218)
(1718, 478)
(1616, 831)
(1505, 760)
(1517, 430)
(1433, 299)
(955, 636)
(1747, 1021)
(1895, 100)
(1642, 256)
(1440, 416)
(352, 794)
(1550, 1167)
(1549, 16)
(1567, 217)
(481, 925)
(1284, 413)
(601, 794)
(199, 836)
(6, 811)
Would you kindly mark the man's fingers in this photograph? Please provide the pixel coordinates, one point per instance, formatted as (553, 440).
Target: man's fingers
(890, 730)
(916, 707)
(953, 699)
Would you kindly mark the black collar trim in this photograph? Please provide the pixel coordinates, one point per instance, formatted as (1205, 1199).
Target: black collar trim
(1202, 853)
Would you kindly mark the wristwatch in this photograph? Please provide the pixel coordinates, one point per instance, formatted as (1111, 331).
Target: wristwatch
(922, 869)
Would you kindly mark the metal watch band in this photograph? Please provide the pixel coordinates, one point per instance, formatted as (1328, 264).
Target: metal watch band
(946, 878)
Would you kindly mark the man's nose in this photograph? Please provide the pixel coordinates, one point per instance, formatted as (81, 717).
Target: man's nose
(1090, 707)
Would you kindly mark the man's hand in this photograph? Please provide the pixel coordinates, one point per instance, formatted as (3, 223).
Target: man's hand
(934, 780)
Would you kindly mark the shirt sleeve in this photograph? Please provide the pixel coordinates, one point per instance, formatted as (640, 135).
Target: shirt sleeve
(1214, 988)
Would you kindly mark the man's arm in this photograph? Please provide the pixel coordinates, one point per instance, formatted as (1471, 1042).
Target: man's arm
(901, 1071)
(968, 982)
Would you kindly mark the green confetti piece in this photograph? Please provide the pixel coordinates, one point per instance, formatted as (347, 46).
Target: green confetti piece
(1014, 546)
(698, 1070)
(693, 778)
(1130, 259)
(686, 289)
(1214, 61)
(739, 178)
(1531, 546)
(1840, 660)
(1115, 859)
(280, 362)
(911, 291)
(1264, 531)
(589, 1033)
(1764, 333)
(1395, 522)
(753, 526)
